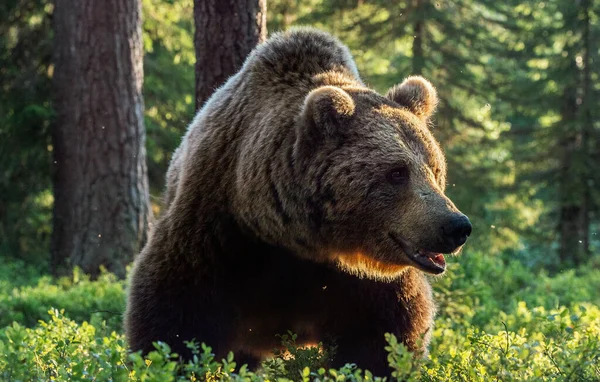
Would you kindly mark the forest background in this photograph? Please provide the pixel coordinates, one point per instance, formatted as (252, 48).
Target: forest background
(518, 119)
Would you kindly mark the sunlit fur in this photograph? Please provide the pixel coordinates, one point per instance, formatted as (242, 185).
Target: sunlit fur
(363, 265)
(277, 199)
(417, 94)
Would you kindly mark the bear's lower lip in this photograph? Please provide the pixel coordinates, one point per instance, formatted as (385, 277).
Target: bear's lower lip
(430, 262)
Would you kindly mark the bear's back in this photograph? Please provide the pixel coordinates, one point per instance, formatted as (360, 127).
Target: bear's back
(301, 53)
(268, 91)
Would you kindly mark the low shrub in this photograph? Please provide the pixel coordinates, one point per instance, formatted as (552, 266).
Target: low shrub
(497, 320)
(79, 297)
(551, 345)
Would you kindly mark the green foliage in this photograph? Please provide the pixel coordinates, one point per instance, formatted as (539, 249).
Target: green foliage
(555, 128)
(293, 359)
(27, 116)
(80, 298)
(16, 273)
(61, 349)
(545, 345)
(168, 81)
(25, 123)
(552, 345)
(497, 320)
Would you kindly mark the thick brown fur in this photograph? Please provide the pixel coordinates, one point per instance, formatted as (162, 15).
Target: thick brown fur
(279, 210)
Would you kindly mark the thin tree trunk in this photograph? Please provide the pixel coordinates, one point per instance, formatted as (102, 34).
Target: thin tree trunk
(569, 202)
(101, 208)
(226, 31)
(587, 130)
(418, 60)
(577, 163)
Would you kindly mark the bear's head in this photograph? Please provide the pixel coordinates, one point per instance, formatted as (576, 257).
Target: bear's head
(372, 180)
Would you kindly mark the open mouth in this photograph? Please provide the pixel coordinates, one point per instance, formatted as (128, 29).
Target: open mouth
(431, 262)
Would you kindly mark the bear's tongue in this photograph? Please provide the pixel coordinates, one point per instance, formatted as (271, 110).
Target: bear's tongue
(436, 258)
(431, 262)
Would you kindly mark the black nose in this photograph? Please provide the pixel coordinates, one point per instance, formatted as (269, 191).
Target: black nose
(456, 231)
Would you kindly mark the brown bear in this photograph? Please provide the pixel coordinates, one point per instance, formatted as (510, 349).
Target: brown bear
(299, 200)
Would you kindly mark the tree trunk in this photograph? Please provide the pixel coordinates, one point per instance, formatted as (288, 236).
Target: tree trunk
(569, 185)
(587, 127)
(101, 207)
(418, 59)
(577, 165)
(226, 31)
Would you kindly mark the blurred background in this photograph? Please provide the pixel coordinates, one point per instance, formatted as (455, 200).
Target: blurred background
(518, 115)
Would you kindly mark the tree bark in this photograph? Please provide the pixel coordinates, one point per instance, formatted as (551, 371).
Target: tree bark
(418, 59)
(587, 127)
(101, 207)
(577, 165)
(569, 187)
(226, 31)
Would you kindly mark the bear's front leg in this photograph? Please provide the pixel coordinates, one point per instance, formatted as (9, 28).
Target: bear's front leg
(370, 309)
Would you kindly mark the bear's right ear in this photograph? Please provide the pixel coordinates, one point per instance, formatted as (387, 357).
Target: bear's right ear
(327, 107)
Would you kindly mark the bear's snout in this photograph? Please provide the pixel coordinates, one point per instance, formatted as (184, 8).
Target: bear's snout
(455, 232)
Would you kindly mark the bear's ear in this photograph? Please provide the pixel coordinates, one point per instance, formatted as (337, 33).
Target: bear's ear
(417, 94)
(327, 107)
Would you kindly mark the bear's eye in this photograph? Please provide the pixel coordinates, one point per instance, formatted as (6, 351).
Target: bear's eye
(398, 175)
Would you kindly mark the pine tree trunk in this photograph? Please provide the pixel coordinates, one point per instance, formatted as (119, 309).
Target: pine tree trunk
(226, 31)
(101, 208)
(418, 59)
(577, 166)
(569, 185)
(588, 128)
